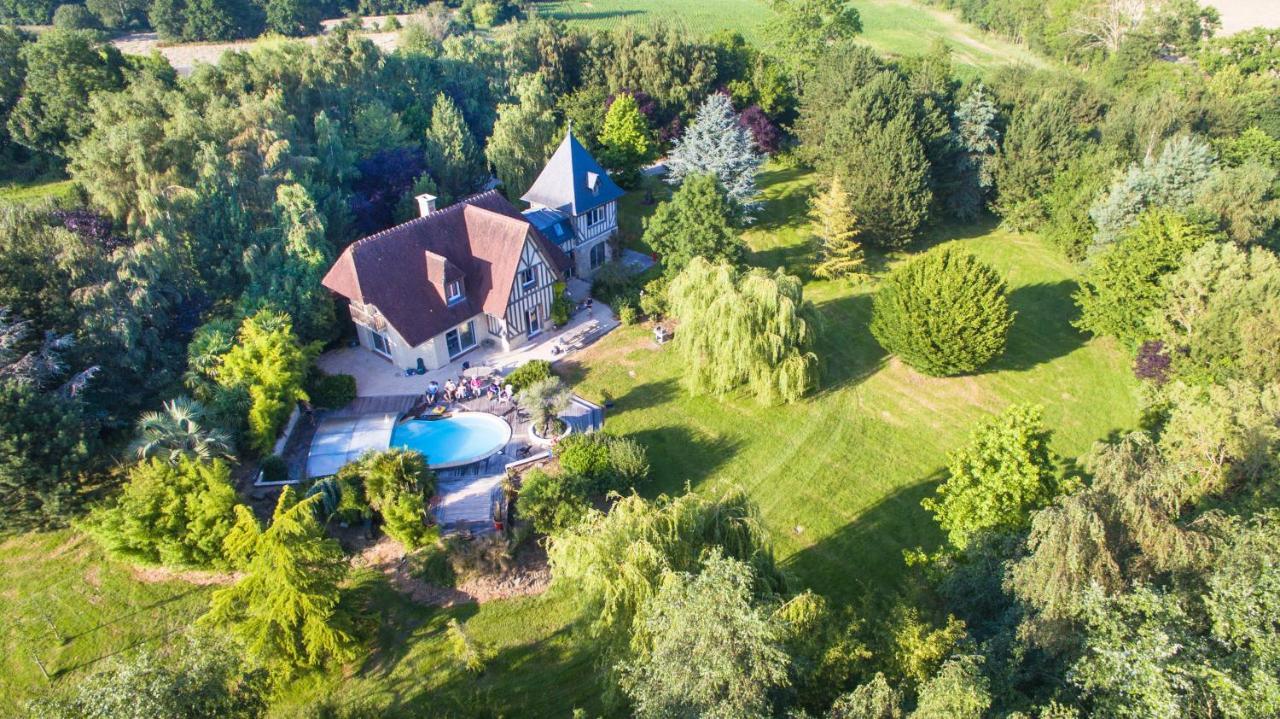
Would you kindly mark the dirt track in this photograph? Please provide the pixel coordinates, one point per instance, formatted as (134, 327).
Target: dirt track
(1240, 15)
(184, 57)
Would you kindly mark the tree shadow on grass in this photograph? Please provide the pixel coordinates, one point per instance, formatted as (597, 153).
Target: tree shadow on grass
(1042, 330)
(847, 350)
(863, 561)
(678, 457)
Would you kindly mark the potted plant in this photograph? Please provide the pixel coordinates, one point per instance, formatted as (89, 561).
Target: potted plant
(545, 399)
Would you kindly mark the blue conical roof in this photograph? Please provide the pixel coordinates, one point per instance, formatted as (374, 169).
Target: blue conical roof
(572, 182)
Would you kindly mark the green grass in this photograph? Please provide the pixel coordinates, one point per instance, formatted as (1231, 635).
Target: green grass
(839, 477)
(36, 191)
(895, 27)
(65, 604)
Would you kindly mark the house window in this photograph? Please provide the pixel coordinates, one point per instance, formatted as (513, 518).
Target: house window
(527, 277)
(380, 343)
(595, 216)
(599, 255)
(453, 291)
(460, 338)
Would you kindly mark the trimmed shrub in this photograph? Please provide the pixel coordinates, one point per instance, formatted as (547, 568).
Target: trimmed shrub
(331, 391)
(944, 313)
(603, 463)
(528, 373)
(552, 502)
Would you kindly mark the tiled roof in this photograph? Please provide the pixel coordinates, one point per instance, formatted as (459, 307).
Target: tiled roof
(401, 270)
(572, 181)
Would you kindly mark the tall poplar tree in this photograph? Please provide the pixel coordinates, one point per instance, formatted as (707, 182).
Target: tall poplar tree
(452, 157)
(524, 135)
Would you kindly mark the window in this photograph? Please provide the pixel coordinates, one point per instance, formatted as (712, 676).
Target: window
(460, 338)
(453, 291)
(527, 277)
(380, 343)
(599, 254)
(595, 216)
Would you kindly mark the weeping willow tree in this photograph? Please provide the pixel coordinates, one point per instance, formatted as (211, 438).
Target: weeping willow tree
(751, 328)
(615, 562)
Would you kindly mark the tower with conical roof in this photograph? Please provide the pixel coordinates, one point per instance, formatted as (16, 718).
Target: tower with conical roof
(574, 203)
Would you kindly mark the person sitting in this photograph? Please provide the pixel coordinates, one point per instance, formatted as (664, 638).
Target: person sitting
(508, 393)
(432, 394)
(477, 386)
(495, 388)
(464, 389)
(450, 391)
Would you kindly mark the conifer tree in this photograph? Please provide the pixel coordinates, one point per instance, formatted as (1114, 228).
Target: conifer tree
(625, 143)
(452, 157)
(286, 608)
(524, 135)
(976, 141)
(716, 143)
(836, 227)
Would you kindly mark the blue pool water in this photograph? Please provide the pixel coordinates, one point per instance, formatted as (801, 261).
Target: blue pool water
(453, 441)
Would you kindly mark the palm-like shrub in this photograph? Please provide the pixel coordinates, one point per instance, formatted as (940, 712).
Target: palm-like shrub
(944, 313)
(178, 431)
(545, 399)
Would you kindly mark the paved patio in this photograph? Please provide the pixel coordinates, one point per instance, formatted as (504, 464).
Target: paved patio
(376, 376)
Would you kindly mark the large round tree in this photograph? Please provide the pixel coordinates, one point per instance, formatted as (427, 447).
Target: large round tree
(944, 313)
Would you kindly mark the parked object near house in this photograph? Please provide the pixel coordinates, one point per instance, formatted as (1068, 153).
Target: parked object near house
(575, 205)
(427, 291)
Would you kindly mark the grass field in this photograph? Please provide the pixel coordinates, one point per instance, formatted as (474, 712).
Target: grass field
(36, 191)
(896, 27)
(838, 476)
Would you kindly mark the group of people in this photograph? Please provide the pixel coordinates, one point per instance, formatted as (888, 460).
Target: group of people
(465, 389)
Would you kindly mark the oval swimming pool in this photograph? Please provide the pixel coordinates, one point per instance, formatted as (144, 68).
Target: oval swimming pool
(453, 441)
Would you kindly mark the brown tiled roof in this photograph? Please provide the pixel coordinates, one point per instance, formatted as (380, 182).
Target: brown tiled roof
(481, 237)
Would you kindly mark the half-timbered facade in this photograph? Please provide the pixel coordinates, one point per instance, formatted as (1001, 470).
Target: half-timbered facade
(575, 205)
(426, 292)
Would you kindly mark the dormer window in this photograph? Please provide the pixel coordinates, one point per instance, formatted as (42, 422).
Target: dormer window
(595, 216)
(527, 278)
(453, 292)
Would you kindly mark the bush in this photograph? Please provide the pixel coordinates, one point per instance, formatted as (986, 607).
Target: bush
(174, 514)
(653, 300)
(613, 282)
(944, 313)
(396, 483)
(528, 373)
(392, 23)
(552, 502)
(331, 391)
(274, 468)
(627, 313)
(603, 463)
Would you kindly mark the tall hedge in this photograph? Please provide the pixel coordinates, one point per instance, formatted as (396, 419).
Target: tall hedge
(944, 313)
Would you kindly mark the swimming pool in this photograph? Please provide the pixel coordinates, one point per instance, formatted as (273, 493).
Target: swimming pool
(453, 441)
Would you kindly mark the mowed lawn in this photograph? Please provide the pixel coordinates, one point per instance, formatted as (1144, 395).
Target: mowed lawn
(839, 476)
(895, 27)
(65, 605)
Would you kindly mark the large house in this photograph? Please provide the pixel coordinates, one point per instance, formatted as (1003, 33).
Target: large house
(425, 292)
(575, 205)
